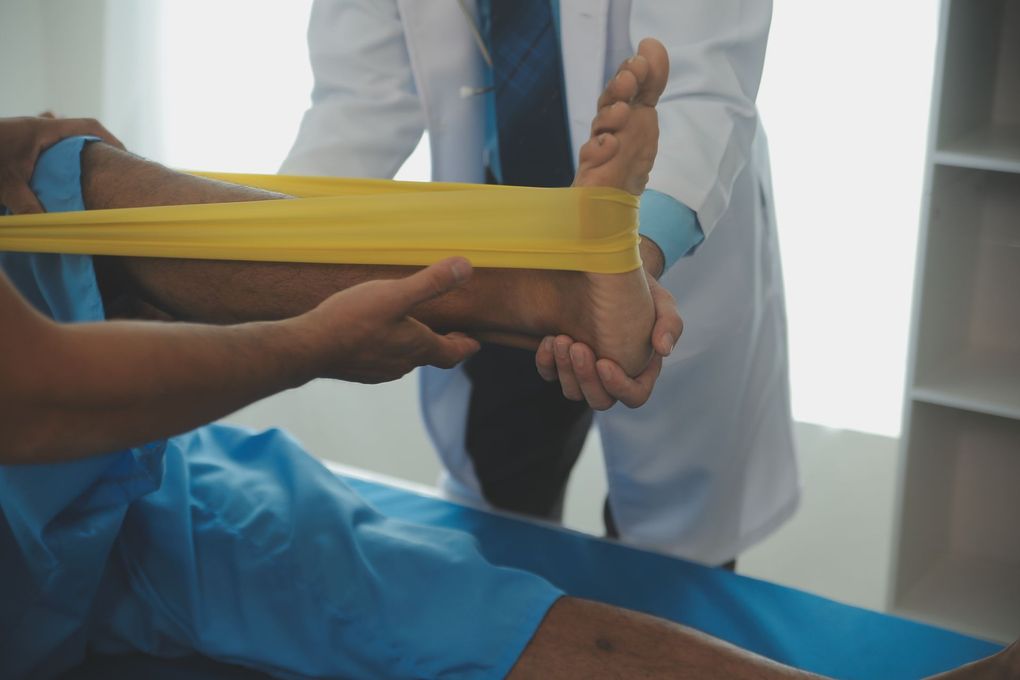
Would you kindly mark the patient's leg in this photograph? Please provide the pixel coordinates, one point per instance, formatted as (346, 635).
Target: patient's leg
(582, 639)
(613, 313)
(231, 291)
(1003, 666)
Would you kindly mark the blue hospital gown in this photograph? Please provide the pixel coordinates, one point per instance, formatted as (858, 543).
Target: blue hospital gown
(235, 545)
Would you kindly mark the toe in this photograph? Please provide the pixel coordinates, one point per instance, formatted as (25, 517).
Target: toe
(611, 118)
(638, 66)
(651, 88)
(597, 151)
(622, 88)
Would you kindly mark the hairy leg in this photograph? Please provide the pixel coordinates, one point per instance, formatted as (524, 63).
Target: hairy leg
(583, 639)
(214, 291)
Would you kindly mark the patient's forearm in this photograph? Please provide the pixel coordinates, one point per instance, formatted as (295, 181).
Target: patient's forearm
(513, 301)
(69, 391)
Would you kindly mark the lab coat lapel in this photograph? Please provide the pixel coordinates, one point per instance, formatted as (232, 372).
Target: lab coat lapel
(445, 60)
(583, 26)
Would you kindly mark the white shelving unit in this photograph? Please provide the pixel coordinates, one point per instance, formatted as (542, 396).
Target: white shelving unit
(957, 552)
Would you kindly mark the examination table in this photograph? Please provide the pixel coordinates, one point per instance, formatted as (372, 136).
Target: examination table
(790, 626)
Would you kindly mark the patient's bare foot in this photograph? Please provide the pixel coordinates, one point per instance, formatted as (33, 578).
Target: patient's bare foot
(613, 313)
(618, 315)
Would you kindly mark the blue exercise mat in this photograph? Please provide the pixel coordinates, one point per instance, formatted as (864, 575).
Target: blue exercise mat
(787, 625)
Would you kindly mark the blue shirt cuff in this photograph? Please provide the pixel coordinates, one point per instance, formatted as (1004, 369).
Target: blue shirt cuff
(672, 225)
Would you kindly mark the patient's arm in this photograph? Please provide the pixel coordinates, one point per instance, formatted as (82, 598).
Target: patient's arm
(70, 391)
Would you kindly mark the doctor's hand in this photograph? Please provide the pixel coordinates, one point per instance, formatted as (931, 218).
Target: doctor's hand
(21, 142)
(366, 333)
(601, 382)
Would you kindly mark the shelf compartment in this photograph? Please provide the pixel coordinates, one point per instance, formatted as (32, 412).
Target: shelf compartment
(968, 595)
(985, 383)
(968, 342)
(959, 552)
(979, 107)
(993, 147)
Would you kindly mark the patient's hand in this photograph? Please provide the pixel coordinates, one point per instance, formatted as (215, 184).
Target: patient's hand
(21, 142)
(366, 333)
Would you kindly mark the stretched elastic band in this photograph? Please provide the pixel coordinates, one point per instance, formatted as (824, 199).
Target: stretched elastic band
(358, 221)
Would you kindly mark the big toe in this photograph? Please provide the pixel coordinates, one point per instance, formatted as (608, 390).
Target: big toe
(654, 84)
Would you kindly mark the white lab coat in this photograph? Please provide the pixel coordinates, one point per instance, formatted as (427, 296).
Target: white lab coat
(706, 468)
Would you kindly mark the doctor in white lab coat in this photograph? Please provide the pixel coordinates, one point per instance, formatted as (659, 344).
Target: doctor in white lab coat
(706, 468)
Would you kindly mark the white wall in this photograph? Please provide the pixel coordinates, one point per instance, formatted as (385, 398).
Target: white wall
(234, 83)
(51, 57)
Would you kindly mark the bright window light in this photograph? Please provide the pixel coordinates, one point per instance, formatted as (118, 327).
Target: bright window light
(845, 100)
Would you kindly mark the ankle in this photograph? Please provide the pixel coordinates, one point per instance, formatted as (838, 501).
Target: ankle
(551, 306)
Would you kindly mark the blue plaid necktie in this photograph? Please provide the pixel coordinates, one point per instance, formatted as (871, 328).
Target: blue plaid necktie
(527, 84)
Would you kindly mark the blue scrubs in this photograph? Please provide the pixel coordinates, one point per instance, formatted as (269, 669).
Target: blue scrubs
(236, 545)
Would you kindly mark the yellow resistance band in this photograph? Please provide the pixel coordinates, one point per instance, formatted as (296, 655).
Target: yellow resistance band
(358, 221)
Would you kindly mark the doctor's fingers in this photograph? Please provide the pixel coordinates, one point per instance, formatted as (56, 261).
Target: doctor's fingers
(545, 360)
(633, 392)
(582, 360)
(669, 326)
(564, 368)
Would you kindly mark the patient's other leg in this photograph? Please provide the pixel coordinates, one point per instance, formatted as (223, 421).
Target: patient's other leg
(583, 639)
(1003, 666)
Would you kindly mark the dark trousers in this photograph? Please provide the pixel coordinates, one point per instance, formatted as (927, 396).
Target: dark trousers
(523, 436)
